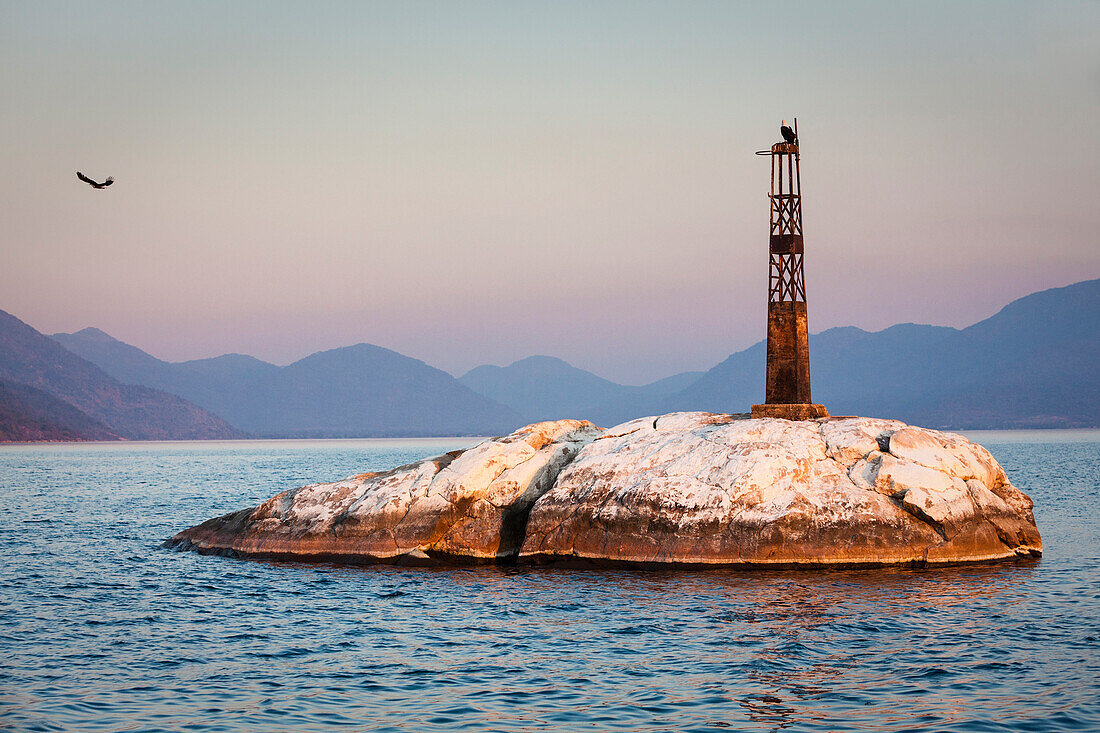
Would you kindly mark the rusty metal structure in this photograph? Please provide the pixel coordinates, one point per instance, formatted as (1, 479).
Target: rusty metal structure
(787, 385)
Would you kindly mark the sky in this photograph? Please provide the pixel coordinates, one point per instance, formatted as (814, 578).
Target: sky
(477, 182)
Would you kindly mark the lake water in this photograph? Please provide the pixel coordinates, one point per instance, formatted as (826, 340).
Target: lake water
(102, 630)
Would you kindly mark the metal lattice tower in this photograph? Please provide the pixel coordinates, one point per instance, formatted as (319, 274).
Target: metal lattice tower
(787, 386)
(787, 283)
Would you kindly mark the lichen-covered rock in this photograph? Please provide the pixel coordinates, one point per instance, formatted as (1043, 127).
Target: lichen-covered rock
(685, 488)
(710, 489)
(468, 504)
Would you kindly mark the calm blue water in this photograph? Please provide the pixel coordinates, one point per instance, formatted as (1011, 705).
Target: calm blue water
(101, 630)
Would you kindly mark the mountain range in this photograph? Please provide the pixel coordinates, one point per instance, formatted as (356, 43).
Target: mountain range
(546, 388)
(360, 390)
(1033, 364)
(30, 415)
(52, 392)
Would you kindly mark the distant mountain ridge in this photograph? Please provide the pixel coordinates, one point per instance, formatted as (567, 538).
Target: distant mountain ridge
(1035, 363)
(355, 391)
(547, 388)
(30, 359)
(28, 414)
(1032, 364)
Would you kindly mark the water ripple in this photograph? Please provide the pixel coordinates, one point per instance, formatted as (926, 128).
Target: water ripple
(101, 630)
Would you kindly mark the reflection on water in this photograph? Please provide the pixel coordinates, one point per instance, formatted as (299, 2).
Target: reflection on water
(100, 629)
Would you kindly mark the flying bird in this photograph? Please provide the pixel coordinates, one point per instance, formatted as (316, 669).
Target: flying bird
(788, 133)
(92, 183)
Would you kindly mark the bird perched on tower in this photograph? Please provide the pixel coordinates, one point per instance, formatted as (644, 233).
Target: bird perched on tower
(92, 183)
(788, 133)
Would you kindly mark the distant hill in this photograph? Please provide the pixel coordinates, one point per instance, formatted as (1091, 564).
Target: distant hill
(547, 388)
(224, 385)
(356, 391)
(28, 414)
(540, 387)
(1033, 364)
(638, 401)
(138, 413)
(847, 366)
(1036, 363)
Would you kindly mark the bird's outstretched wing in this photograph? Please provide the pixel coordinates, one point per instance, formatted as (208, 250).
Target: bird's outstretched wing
(109, 181)
(85, 178)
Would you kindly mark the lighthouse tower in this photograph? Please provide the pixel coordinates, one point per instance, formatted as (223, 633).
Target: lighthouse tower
(787, 385)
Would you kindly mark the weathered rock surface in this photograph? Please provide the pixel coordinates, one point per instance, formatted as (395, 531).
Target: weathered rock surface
(711, 489)
(685, 488)
(470, 504)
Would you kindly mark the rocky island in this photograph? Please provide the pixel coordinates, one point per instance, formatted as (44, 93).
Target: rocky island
(692, 488)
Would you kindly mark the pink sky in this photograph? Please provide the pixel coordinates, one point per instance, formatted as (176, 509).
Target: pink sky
(476, 183)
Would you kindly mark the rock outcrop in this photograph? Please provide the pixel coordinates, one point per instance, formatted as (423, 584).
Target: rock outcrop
(685, 488)
(469, 504)
(713, 490)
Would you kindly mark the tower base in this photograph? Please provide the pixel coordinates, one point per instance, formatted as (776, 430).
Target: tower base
(797, 411)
